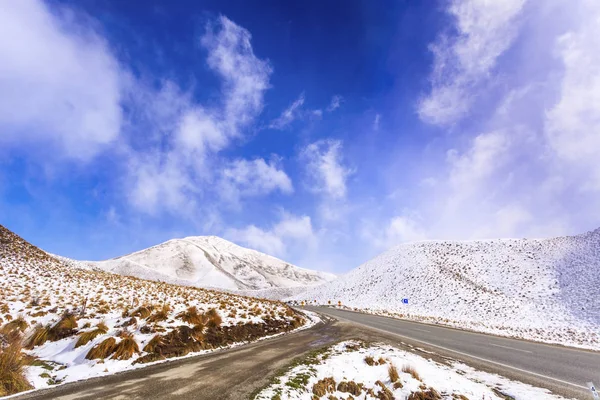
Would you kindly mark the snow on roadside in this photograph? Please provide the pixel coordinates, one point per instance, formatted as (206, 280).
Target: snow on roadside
(51, 307)
(351, 369)
(536, 289)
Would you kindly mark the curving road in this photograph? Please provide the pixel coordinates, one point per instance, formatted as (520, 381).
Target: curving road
(562, 369)
(237, 373)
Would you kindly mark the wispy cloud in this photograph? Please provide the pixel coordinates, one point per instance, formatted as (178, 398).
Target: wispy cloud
(290, 231)
(326, 172)
(336, 102)
(525, 162)
(464, 60)
(242, 178)
(376, 122)
(171, 179)
(291, 113)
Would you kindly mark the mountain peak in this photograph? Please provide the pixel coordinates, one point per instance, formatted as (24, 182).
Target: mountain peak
(211, 261)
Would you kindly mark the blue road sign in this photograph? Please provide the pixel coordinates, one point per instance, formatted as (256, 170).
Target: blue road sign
(405, 301)
(593, 389)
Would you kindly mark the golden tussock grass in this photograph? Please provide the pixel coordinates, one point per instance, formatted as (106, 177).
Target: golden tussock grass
(393, 373)
(412, 371)
(142, 312)
(87, 337)
(40, 335)
(126, 348)
(191, 316)
(151, 346)
(17, 324)
(12, 379)
(160, 315)
(102, 350)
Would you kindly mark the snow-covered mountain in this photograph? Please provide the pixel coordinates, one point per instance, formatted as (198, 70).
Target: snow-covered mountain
(209, 261)
(545, 289)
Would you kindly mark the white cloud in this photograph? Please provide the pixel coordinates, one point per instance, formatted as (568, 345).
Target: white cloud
(57, 88)
(336, 102)
(171, 178)
(396, 230)
(462, 61)
(479, 162)
(289, 114)
(524, 163)
(572, 126)
(376, 122)
(252, 178)
(325, 167)
(245, 76)
(289, 232)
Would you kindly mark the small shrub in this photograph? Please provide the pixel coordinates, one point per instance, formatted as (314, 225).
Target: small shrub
(102, 350)
(370, 361)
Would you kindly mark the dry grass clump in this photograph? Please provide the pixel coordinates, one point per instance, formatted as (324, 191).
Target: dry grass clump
(430, 394)
(160, 315)
(151, 357)
(18, 324)
(393, 373)
(142, 312)
(151, 346)
(65, 327)
(40, 335)
(412, 371)
(214, 319)
(351, 387)
(102, 350)
(384, 393)
(191, 316)
(87, 337)
(126, 348)
(370, 361)
(12, 379)
(324, 386)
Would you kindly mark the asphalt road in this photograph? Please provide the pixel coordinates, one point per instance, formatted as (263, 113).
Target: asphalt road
(235, 374)
(562, 369)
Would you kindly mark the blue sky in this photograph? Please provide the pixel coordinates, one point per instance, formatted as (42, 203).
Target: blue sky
(319, 133)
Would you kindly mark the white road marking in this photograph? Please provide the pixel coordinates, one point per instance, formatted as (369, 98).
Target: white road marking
(511, 348)
(470, 355)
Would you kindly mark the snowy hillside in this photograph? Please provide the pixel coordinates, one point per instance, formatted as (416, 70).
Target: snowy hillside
(541, 289)
(60, 324)
(211, 262)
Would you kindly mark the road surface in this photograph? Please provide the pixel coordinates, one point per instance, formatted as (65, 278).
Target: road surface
(237, 373)
(562, 369)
